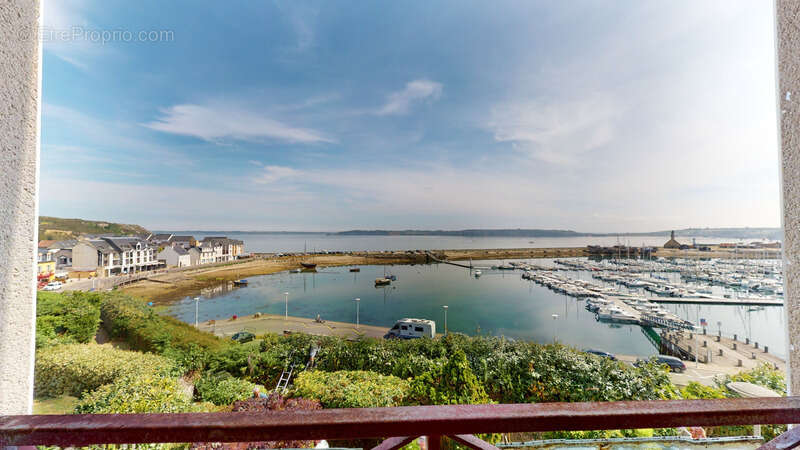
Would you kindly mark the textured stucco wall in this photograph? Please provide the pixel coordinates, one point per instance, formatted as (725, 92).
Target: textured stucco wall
(19, 112)
(788, 50)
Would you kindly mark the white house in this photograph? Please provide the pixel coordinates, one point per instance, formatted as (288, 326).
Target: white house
(114, 255)
(175, 256)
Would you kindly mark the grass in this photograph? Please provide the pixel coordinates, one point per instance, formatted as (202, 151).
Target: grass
(59, 405)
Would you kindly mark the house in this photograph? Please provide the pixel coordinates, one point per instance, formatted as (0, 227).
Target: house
(186, 242)
(223, 249)
(114, 255)
(672, 243)
(175, 256)
(62, 252)
(194, 256)
(159, 240)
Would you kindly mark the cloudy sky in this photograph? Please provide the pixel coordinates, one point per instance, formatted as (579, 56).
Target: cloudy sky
(291, 115)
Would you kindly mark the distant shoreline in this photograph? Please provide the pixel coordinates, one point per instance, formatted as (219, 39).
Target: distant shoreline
(758, 233)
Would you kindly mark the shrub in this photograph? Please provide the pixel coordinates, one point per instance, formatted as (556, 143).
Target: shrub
(222, 388)
(452, 383)
(76, 368)
(762, 375)
(142, 394)
(234, 359)
(70, 317)
(695, 390)
(509, 371)
(352, 389)
(129, 318)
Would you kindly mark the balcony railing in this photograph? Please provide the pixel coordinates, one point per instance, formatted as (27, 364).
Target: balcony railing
(399, 425)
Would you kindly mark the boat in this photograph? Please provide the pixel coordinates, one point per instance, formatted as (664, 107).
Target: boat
(478, 273)
(382, 281)
(240, 282)
(355, 269)
(308, 265)
(295, 270)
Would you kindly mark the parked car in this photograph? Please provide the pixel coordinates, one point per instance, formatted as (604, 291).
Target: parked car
(601, 353)
(675, 364)
(53, 286)
(243, 336)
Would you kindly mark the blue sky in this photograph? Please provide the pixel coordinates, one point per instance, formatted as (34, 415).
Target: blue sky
(586, 115)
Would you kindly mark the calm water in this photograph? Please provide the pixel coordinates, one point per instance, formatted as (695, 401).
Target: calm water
(498, 303)
(270, 242)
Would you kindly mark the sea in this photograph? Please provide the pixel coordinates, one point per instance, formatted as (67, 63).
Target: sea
(498, 303)
(314, 242)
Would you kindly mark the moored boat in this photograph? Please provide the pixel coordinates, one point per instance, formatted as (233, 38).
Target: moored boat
(308, 265)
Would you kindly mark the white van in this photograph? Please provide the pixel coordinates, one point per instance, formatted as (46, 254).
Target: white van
(411, 329)
(53, 286)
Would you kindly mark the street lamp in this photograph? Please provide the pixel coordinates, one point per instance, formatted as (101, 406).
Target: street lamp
(445, 319)
(196, 311)
(286, 300)
(358, 301)
(555, 328)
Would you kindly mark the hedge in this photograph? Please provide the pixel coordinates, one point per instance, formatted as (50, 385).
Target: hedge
(130, 319)
(76, 368)
(142, 394)
(222, 389)
(351, 389)
(70, 317)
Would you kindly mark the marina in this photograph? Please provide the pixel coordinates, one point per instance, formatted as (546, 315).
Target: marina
(615, 305)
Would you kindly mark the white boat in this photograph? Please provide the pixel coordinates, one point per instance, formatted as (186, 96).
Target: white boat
(478, 273)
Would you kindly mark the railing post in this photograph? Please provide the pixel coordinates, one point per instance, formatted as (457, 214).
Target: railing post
(434, 442)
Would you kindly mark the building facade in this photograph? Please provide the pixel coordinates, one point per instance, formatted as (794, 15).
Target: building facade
(114, 255)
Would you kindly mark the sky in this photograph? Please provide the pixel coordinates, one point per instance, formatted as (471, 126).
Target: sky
(593, 116)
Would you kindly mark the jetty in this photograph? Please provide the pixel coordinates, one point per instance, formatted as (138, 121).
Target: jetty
(718, 349)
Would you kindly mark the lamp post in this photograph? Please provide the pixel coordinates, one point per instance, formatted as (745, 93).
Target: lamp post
(358, 301)
(555, 328)
(196, 312)
(286, 312)
(696, 347)
(445, 319)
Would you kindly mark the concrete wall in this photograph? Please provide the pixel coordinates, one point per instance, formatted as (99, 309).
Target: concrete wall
(20, 58)
(788, 59)
(84, 257)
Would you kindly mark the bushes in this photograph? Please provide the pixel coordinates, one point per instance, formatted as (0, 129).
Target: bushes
(137, 394)
(352, 389)
(451, 384)
(762, 375)
(73, 369)
(222, 388)
(71, 317)
(143, 329)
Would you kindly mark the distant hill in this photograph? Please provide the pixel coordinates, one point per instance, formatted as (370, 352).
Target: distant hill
(467, 233)
(727, 233)
(58, 228)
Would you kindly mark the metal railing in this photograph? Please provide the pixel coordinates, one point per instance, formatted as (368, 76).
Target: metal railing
(400, 425)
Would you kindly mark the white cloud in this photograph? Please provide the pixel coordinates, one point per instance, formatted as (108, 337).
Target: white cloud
(64, 23)
(271, 174)
(556, 132)
(215, 122)
(415, 91)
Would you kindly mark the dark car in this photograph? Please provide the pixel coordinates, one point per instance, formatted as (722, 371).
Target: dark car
(675, 364)
(243, 336)
(601, 353)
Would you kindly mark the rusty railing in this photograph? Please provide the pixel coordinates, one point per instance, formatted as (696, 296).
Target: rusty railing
(400, 425)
